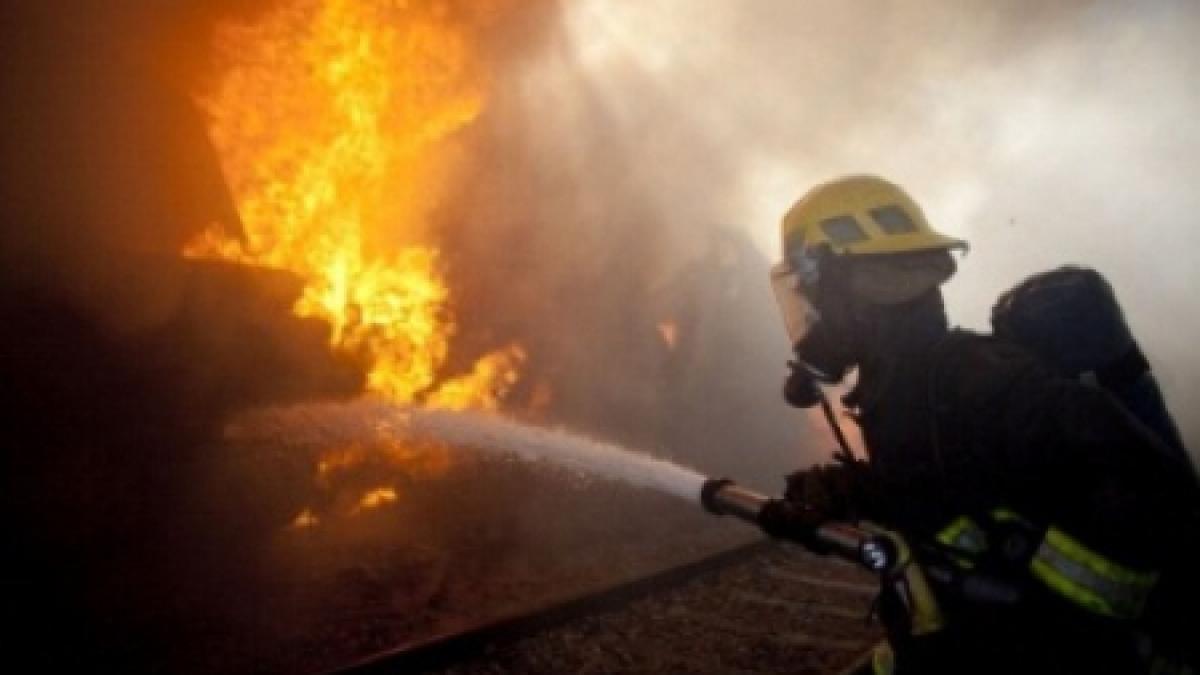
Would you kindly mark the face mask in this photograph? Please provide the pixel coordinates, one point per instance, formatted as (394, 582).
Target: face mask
(819, 331)
(792, 283)
(825, 352)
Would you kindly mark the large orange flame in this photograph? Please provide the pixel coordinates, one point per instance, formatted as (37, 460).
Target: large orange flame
(336, 125)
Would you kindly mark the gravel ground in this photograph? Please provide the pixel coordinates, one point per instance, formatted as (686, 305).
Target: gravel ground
(485, 540)
(784, 611)
(234, 589)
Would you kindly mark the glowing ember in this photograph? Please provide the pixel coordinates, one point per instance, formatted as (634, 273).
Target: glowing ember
(419, 461)
(669, 332)
(335, 123)
(373, 499)
(305, 520)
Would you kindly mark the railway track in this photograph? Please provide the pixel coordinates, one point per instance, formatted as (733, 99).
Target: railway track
(764, 607)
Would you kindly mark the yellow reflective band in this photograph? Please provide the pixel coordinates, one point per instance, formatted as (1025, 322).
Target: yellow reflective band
(964, 534)
(883, 660)
(907, 580)
(1008, 516)
(1090, 580)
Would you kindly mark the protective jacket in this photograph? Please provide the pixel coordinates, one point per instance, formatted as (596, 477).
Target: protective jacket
(970, 437)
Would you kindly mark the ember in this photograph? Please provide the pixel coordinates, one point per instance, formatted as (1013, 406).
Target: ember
(669, 332)
(377, 497)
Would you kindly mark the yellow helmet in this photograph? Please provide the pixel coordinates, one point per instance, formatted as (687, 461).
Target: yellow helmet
(860, 215)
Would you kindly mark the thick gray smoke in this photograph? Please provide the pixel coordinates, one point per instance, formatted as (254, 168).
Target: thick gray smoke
(1043, 133)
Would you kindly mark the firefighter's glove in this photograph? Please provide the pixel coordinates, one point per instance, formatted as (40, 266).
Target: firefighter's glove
(817, 487)
(785, 519)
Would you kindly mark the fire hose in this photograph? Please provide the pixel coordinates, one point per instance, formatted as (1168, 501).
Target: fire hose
(877, 549)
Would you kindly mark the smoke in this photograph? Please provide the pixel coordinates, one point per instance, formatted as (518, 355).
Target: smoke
(1043, 133)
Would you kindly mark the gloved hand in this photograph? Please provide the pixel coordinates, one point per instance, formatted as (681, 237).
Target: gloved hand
(829, 490)
(809, 487)
(796, 522)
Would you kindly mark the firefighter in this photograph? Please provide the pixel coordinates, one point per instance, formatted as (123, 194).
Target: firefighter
(978, 449)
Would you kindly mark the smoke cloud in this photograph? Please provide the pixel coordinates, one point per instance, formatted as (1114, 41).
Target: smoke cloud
(1042, 133)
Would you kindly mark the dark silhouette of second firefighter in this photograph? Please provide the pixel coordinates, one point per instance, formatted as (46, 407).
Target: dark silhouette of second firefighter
(981, 451)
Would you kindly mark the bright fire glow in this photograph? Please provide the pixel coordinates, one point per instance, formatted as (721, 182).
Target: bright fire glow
(305, 519)
(669, 332)
(336, 124)
(376, 498)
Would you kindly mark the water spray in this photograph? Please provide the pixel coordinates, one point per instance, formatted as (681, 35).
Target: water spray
(876, 549)
(329, 424)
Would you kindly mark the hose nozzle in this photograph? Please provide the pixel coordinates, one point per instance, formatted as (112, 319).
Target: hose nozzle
(723, 497)
(786, 520)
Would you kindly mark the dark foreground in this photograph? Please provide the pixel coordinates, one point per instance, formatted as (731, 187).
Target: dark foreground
(226, 585)
(780, 611)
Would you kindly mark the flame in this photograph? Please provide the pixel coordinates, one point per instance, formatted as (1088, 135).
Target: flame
(669, 332)
(305, 519)
(337, 463)
(376, 498)
(336, 125)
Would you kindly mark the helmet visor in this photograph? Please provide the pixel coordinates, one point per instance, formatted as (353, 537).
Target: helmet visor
(799, 314)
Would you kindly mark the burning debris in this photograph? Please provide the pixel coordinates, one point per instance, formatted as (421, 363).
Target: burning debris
(336, 123)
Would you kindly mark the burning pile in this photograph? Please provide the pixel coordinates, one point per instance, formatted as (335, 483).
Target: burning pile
(336, 124)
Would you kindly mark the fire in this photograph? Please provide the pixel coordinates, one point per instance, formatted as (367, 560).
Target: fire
(376, 498)
(305, 520)
(669, 332)
(336, 125)
(338, 464)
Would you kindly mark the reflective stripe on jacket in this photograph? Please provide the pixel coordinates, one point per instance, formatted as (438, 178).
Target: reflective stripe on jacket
(1065, 566)
(1090, 580)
